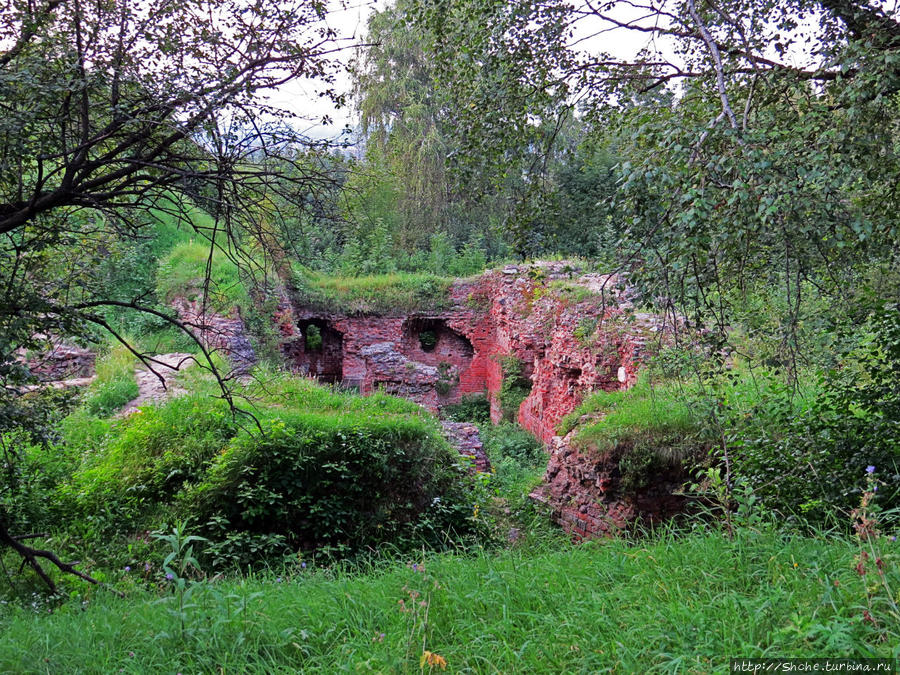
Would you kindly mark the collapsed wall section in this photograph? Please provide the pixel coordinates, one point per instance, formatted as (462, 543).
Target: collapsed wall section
(560, 332)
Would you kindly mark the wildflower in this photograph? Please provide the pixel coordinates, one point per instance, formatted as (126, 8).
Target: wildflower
(415, 567)
(170, 576)
(127, 568)
(146, 567)
(278, 580)
(432, 659)
(303, 565)
(894, 538)
(870, 469)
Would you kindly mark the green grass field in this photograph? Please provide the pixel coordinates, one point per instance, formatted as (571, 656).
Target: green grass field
(666, 604)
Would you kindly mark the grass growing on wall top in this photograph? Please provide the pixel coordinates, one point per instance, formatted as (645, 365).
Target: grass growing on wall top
(378, 294)
(644, 406)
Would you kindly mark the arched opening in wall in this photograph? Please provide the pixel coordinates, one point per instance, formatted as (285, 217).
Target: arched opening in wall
(320, 352)
(433, 342)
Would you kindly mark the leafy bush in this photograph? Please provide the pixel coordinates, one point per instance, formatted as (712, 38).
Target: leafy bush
(313, 338)
(141, 462)
(512, 441)
(809, 456)
(30, 473)
(427, 340)
(471, 408)
(514, 388)
(322, 468)
(320, 479)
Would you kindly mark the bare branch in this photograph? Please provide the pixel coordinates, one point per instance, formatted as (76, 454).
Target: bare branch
(717, 63)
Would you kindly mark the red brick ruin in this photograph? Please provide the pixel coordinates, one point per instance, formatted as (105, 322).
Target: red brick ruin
(569, 333)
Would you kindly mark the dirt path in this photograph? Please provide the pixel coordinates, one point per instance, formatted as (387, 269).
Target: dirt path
(150, 388)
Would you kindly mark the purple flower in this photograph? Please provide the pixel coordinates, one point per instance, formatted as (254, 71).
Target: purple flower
(894, 538)
(127, 568)
(146, 567)
(415, 567)
(278, 580)
(170, 576)
(303, 565)
(870, 469)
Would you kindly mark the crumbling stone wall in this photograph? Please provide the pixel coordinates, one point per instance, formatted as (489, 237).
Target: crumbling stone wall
(61, 361)
(585, 497)
(568, 330)
(224, 334)
(571, 333)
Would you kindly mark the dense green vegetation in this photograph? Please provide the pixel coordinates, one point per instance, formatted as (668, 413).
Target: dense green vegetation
(311, 468)
(740, 174)
(669, 603)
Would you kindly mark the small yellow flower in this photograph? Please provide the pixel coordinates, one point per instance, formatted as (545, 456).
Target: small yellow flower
(433, 659)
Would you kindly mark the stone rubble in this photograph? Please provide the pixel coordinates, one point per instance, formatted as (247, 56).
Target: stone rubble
(465, 437)
(63, 361)
(224, 334)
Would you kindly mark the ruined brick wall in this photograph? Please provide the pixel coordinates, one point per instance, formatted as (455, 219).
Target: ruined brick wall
(226, 335)
(572, 333)
(568, 330)
(584, 494)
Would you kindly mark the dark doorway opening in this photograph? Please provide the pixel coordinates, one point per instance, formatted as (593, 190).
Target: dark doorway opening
(319, 352)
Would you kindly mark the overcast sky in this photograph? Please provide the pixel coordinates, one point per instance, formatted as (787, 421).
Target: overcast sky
(301, 97)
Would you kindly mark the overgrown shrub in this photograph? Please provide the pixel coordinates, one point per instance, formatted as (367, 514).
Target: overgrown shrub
(806, 457)
(148, 457)
(318, 479)
(514, 388)
(314, 468)
(29, 474)
(512, 441)
(471, 408)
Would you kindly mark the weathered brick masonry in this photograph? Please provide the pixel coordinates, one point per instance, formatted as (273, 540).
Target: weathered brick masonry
(568, 330)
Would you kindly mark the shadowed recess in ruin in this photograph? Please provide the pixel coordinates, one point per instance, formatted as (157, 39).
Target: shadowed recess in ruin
(318, 351)
(432, 342)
